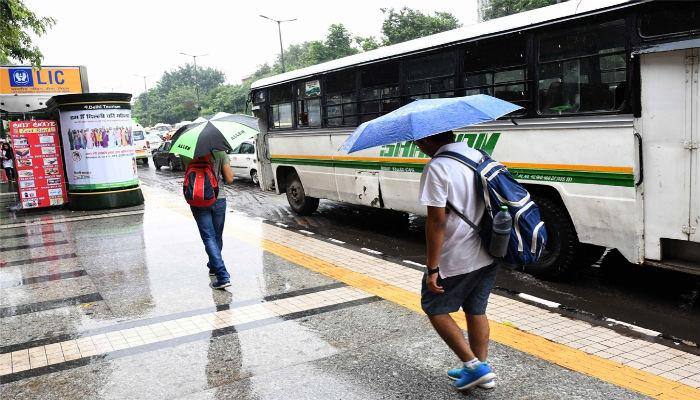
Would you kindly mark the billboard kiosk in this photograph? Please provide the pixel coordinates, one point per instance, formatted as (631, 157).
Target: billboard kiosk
(98, 149)
(40, 178)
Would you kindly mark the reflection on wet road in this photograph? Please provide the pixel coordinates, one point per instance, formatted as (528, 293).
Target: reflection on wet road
(117, 305)
(663, 301)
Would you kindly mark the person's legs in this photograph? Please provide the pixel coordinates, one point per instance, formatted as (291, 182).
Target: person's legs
(452, 335)
(478, 330)
(10, 174)
(475, 309)
(218, 221)
(204, 219)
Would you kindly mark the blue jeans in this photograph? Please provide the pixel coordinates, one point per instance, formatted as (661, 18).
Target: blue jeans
(210, 221)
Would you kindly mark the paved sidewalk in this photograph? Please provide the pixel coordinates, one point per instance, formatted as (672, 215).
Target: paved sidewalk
(117, 306)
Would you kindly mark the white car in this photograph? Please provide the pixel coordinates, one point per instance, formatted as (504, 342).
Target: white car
(140, 143)
(154, 140)
(244, 162)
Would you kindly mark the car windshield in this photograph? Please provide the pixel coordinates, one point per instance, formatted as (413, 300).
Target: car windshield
(138, 135)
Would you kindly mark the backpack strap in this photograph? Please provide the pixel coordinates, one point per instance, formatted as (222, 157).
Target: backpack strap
(464, 217)
(460, 158)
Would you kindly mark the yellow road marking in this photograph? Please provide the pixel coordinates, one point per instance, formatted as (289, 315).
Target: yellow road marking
(566, 167)
(576, 360)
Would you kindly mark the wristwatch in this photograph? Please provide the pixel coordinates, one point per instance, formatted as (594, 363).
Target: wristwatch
(433, 271)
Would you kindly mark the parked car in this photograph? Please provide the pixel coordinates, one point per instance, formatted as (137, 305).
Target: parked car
(163, 157)
(244, 162)
(140, 143)
(154, 140)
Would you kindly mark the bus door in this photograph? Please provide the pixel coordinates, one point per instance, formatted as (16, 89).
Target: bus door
(670, 136)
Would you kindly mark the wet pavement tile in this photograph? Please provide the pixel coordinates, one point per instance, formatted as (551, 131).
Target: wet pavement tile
(129, 314)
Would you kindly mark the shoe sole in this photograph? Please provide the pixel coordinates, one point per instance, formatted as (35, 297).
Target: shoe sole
(485, 385)
(225, 285)
(481, 380)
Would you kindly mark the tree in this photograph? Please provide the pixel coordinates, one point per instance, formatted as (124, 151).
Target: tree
(501, 8)
(407, 24)
(16, 24)
(173, 97)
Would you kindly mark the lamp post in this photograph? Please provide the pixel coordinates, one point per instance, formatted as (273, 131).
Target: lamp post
(196, 84)
(145, 90)
(279, 31)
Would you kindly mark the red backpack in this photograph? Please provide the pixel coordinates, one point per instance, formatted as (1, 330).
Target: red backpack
(200, 187)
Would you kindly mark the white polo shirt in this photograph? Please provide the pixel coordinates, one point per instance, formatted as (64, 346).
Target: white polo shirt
(445, 179)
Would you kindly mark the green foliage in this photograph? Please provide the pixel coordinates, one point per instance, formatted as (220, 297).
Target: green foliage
(501, 8)
(17, 22)
(172, 99)
(407, 24)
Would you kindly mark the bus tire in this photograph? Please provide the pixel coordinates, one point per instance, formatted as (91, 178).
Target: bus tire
(298, 200)
(559, 257)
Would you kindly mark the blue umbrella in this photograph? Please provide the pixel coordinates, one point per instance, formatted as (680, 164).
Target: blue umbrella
(427, 117)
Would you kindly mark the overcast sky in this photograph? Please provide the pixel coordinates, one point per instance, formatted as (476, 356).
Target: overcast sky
(119, 39)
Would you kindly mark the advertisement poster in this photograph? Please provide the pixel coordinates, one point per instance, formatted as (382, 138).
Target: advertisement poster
(38, 160)
(99, 146)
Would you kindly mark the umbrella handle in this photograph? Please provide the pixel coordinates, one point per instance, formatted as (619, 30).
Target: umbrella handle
(513, 121)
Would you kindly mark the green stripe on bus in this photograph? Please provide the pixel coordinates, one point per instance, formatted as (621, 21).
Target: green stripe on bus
(529, 174)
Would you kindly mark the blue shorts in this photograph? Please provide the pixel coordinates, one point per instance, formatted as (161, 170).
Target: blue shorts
(467, 291)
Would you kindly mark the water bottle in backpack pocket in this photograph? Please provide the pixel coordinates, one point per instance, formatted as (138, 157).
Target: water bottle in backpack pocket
(502, 193)
(200, 188)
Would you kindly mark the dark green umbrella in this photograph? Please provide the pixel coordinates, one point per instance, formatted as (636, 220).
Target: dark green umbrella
(221, 132)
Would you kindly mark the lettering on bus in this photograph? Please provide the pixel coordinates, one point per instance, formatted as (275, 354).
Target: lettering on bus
(484, 141)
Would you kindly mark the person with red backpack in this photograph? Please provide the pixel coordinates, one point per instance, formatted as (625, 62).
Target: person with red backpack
(208, 204)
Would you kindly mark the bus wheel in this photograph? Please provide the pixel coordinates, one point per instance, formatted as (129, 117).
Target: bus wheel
(298, 200)
(558, 256)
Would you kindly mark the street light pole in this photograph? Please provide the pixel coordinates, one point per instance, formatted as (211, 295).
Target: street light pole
(145, 90)
(196, 83)
(279, 32)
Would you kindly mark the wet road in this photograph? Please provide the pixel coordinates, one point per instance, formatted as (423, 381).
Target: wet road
(658, 300)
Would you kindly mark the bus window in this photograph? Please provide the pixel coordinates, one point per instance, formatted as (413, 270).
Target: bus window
(341, 98)
(379, 92)
(497, 67)
(281, 107)
(583, 70)
(431, 77)
(670, 18)
(308, 103)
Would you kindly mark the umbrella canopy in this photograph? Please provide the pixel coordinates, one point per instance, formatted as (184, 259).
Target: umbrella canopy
(198, 139)
(427, 117)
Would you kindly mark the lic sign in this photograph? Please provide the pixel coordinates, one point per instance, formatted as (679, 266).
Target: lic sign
(46, 80)
(21, 77)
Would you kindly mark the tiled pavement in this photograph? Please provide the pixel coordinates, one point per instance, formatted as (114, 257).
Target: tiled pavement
(626, 361)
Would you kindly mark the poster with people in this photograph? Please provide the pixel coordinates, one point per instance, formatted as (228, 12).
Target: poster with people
(40, 178)
(99, 147)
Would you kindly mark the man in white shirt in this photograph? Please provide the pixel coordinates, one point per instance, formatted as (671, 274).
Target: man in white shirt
(460, 272)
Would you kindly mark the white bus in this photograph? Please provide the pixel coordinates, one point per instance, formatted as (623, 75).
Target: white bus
(607, 144)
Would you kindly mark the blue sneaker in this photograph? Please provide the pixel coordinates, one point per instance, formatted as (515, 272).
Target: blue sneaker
(220, 285)
(456, 373)
(471, 377)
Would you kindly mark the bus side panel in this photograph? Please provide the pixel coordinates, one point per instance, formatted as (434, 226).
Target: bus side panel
(590, 164)
(300, 153)
(356, 174)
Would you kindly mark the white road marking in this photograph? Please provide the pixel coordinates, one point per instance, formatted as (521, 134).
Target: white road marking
(306, 232)
(414, 263)
(281, 224)
(371, 251)
(635, 328)
(336, 241)
(538, 300)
